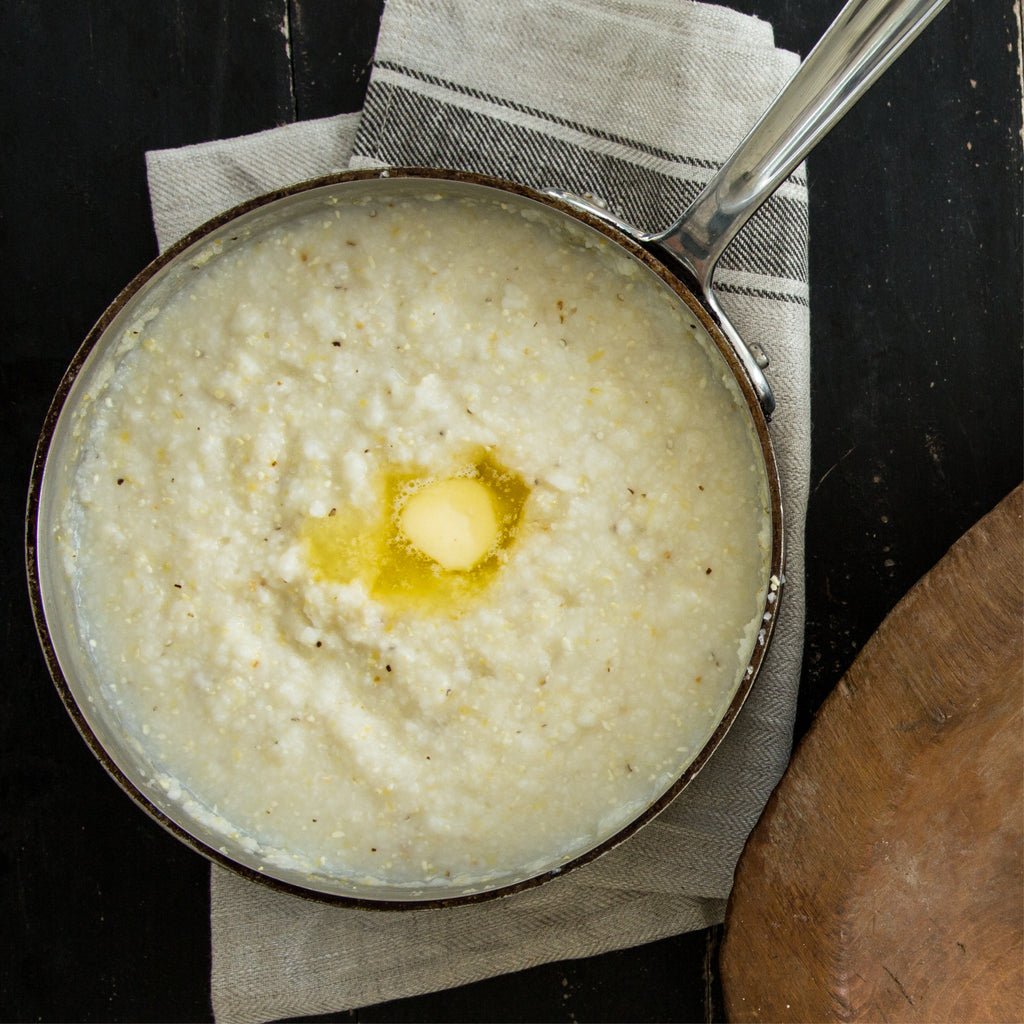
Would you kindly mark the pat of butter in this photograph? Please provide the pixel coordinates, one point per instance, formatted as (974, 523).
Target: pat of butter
(452, 522)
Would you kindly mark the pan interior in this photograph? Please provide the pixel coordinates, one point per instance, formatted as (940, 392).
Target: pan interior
(277, 664)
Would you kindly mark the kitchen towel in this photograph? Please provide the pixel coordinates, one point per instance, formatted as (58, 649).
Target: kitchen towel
(635, 102)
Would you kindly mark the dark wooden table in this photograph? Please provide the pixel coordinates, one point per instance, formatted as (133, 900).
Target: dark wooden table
(916, 278)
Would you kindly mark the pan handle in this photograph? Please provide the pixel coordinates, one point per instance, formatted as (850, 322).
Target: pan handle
(865, 38)
(863, 41)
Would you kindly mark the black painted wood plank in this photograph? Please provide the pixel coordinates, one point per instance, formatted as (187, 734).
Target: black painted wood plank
(88, 88)
(331, 49)
(105, 917)
(916, 322)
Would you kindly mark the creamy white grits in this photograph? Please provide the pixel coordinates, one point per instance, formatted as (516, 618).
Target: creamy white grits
(298, 668)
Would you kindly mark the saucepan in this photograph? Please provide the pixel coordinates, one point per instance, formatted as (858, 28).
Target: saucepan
(604, 467)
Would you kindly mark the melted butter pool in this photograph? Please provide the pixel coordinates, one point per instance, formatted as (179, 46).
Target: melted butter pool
(350, 545)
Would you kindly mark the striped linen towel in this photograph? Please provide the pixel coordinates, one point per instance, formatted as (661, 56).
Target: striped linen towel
(636, 102)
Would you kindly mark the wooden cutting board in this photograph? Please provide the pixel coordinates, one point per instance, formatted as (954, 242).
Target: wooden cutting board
(884, 881)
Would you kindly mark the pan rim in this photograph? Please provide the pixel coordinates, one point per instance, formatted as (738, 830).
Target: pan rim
(219, 856)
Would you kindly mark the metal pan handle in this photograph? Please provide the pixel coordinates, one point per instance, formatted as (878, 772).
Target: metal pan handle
(866, 37)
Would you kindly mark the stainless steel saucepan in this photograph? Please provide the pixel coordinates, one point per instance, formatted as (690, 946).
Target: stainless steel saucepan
(866, 37)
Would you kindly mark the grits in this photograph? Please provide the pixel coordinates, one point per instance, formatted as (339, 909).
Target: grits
(366, 705)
